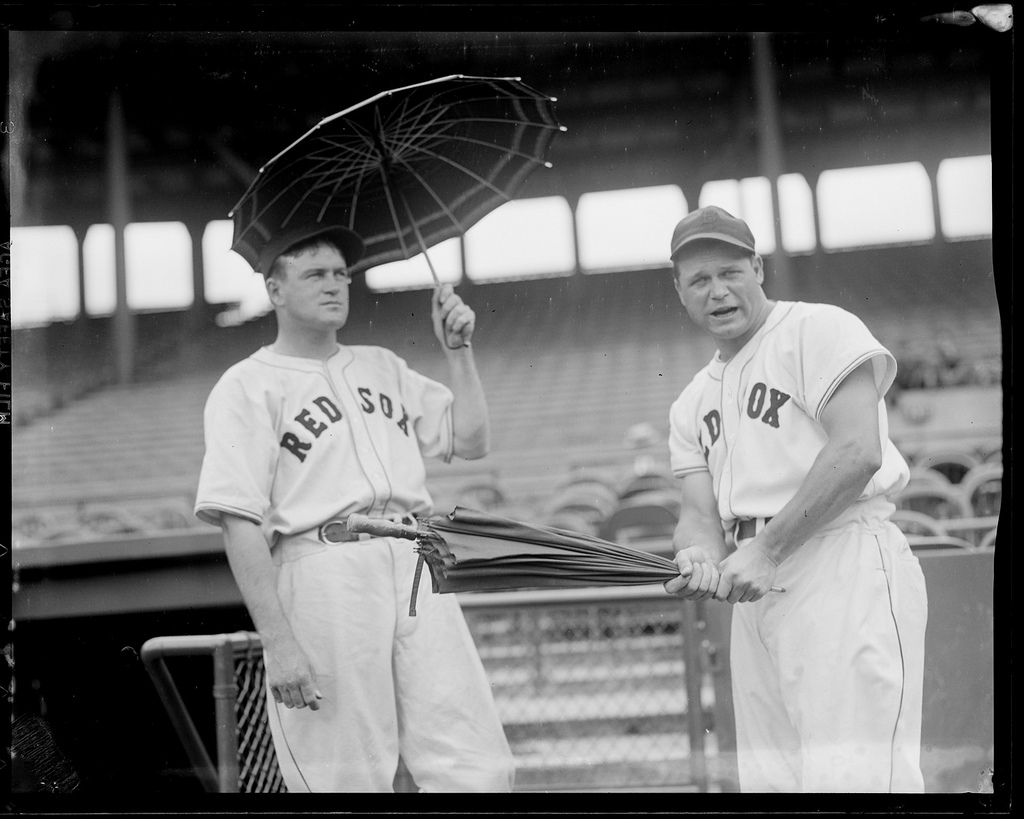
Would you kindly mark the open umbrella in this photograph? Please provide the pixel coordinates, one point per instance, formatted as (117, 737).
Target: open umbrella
(405, 169)
(467, 550)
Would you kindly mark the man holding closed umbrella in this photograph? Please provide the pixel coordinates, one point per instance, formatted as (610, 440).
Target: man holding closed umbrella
(299, 435)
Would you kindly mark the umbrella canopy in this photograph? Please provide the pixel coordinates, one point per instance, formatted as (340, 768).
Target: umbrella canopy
(403, 170)
(468, 550)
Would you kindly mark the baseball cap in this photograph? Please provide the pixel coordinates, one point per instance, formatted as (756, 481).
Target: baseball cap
(260, 247)
(711, 222)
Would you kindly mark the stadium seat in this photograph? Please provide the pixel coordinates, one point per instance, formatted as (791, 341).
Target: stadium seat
(652, 481)
(940, 502)
(929, 543)
(112, 520)
(983, 488)
(644, 516)
(481, 494)
(571, 521)
(991, 450)
(597, 483)
(928, 476)
(917, 523)
(592, 502)
(952, 461)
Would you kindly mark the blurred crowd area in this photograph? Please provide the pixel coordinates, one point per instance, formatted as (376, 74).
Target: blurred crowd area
(943, 363)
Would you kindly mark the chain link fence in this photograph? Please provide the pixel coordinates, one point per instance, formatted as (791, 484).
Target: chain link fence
(598, 690)
(596, 693)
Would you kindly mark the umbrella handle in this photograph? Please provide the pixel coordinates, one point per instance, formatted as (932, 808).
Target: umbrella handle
(380, 527)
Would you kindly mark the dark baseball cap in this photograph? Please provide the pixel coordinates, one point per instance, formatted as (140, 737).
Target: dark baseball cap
(711, 223)
(259, 247)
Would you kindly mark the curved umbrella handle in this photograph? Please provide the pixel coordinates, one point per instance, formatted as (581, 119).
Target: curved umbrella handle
(380, 527)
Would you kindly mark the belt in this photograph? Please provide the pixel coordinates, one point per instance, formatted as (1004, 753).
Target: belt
(335, 531)
(748, 527)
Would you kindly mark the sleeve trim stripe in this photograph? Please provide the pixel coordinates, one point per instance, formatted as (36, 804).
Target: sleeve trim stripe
(248, 514)
(842, 374)
(679, 473)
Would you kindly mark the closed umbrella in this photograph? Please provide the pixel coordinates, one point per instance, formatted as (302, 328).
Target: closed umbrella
(467, 550)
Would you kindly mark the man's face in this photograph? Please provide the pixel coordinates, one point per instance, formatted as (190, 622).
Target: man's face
(311, 289)
(720, 287)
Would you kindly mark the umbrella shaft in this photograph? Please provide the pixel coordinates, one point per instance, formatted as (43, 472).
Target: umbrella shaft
(419, 237)
(380, 527)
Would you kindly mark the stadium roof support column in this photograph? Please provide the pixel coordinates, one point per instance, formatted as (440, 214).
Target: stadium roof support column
(118, 204)
(770, 151)
(197, 313)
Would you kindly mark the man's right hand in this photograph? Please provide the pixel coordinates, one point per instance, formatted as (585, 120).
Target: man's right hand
(698, 575)
(291, 676)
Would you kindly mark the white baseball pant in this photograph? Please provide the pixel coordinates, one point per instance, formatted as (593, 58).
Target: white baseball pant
(392, 684)
(828, 676)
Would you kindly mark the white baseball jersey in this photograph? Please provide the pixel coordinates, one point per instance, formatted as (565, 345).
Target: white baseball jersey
(754, 421)
(293, 442)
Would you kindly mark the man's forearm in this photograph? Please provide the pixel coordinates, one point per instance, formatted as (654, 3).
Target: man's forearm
(700, 532)
(469, 411)
(835, 480)
(256, 576)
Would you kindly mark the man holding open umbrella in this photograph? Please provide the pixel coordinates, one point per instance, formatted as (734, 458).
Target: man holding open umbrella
(782, 439)
(303, 433)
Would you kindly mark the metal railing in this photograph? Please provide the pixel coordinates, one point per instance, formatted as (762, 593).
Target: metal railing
(612, 688)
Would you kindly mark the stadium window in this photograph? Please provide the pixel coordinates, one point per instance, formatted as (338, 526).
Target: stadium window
(158, 264)
(965, 197)
(158, 267)
(875, 205)
(44, 279)
(414, 273)
(627, 229)
(523, 239)
(100, 278)
(796, 208)
(749, 199)
(228, 278)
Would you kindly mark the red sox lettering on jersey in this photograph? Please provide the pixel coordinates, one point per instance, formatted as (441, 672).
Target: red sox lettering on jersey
(754, 421)
(755, 406)
(325, 409)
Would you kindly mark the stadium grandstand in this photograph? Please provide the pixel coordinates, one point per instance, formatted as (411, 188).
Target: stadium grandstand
(874, 144)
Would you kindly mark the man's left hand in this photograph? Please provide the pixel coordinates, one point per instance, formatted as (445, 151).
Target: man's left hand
(747, 575)
(454, 320)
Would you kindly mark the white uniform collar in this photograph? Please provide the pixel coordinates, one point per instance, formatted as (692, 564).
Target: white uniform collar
(775, 315)
(294, 362)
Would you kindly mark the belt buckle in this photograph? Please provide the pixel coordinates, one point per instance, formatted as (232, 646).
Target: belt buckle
(334, 531)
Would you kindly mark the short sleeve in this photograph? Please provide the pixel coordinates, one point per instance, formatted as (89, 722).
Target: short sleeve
(241, 451)
(685, 452)
(429, 404)
(832, 343)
